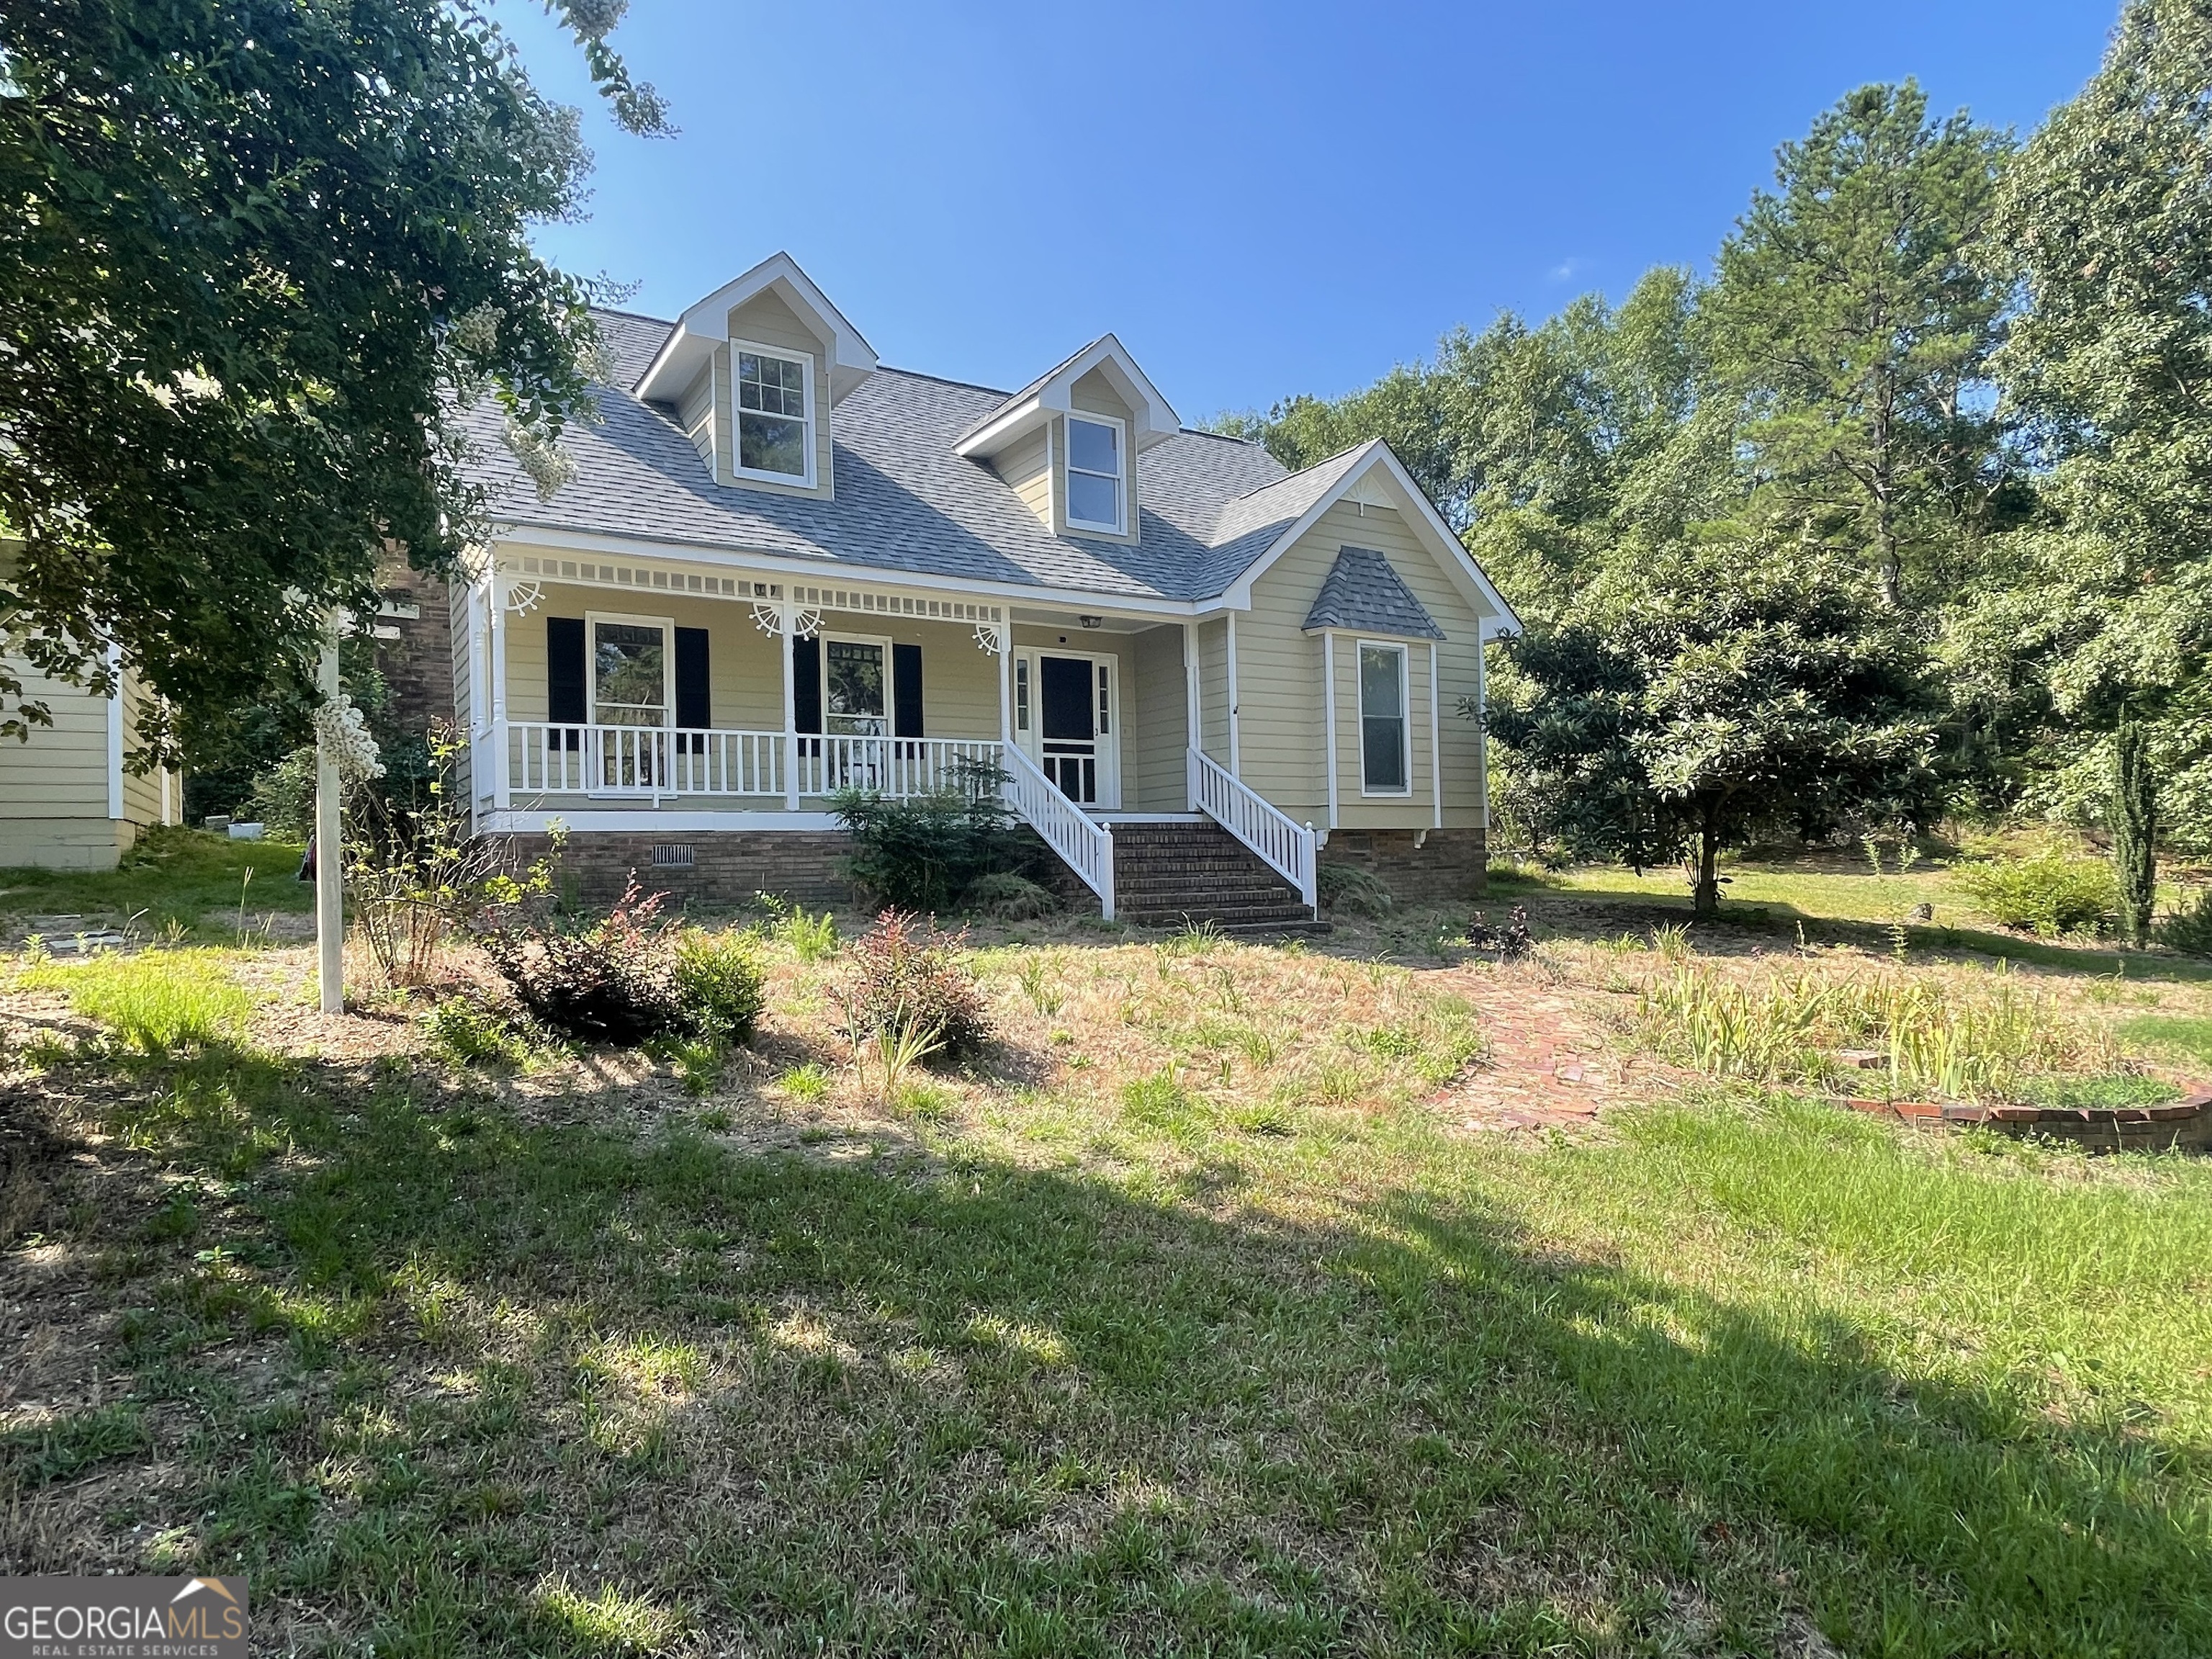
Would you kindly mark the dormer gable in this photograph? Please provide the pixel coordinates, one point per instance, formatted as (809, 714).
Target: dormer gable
(753, 371)
(1067, 442)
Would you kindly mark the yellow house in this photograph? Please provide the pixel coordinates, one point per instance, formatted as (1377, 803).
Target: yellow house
(780, 568)
(68, 798)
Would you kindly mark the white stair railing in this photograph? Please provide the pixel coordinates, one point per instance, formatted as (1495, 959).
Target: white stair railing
(1086, 847)
(1286, 846)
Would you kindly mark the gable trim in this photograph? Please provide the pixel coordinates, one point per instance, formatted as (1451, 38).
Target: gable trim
(1428, 528)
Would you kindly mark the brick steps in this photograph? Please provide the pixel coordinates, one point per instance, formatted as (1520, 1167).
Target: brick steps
(1185, 874)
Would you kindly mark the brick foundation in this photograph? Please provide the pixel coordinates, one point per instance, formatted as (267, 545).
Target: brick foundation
(728, 867)
(1448, 866)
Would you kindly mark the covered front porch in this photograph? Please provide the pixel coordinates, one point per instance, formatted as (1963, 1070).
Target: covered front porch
(648, 697)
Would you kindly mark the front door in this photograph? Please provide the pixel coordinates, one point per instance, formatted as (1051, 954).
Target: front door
(1068, 722)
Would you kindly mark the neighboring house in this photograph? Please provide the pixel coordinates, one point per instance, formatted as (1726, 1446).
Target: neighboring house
(780, 569)
(68, 800)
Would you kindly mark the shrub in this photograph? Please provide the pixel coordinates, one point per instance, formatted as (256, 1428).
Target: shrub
(2050, 893)
(614, 981)
(719, 987)
(2189, 930)
(905, 979)
(1009, 898)
(1511, 941)
(1347, 887)
(468, 1032)
(415, 874)
(922, 853)
(284, 797)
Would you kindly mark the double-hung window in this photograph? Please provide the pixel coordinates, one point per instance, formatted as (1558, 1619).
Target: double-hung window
(1385, 766)
(1095, 473)
(775, 422)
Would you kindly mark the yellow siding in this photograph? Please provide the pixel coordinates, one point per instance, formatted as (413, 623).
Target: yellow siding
(1280, 676)
(62, 771)
(695, 411)
(1026, 468)
(465, 712)
(764, 319)
(1213, 689)
(1153, 773)
(142, 791)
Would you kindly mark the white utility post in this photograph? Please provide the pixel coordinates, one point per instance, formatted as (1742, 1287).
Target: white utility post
(330, 849)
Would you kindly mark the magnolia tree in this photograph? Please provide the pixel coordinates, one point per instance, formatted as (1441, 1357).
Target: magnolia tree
(253, 254)
(1713, 695)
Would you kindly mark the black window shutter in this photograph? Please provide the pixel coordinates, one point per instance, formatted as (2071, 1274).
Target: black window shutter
(564, 670)
(694, 702)
(807, 682)
(906, 690)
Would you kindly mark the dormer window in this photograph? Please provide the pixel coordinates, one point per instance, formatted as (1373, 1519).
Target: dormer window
(775, 422)
(1094, 449)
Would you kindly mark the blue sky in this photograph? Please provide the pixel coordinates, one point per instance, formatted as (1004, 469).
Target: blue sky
(1259, 198)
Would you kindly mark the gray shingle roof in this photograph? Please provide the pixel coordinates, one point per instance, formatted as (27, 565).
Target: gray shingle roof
(1362, 590)
(904, 500)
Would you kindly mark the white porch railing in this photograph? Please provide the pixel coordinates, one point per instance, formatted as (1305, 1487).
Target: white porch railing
(890, 766)
(1086, 845)
(647, 761)
(1286, 846)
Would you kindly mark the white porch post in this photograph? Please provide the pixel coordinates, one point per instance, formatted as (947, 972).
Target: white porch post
(1436, 753)
(1236, 765)
(500, 781)
(1328, 715)
(330, 851)
(790, 711)
(1191, 722)
(1006, 632)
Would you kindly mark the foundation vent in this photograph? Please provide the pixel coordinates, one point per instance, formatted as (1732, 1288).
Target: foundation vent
(674, 856)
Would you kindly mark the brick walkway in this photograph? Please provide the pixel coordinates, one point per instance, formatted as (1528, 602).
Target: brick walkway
(1551, 1062)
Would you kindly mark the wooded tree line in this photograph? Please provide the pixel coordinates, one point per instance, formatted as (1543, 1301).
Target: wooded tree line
(1904, 509)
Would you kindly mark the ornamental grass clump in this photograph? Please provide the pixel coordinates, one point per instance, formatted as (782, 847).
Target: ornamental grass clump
(905, 984)
(1983, 1040)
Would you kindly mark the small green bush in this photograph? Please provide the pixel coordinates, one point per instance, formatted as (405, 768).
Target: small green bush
(283, 798)
(2188, 930)
(468, 1032)
(1008, 897)
(1347, 887)
(2051, 894)
(811, 938)
(904, 977)
(922, 853)
(720, 986)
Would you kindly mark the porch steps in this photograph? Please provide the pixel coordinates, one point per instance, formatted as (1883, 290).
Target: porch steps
(1178, 874)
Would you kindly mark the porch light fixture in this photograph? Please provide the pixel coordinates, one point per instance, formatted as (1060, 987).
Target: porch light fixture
(1092, 622)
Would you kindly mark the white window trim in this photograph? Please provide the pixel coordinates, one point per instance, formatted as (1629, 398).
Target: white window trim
(1405, 716)
(1120, 526)
(891, 680)
(667, 626)
(805, 481)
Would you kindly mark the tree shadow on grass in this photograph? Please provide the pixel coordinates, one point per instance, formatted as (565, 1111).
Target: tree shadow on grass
(573, 1389)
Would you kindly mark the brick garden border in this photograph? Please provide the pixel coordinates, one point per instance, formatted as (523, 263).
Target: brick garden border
(2185, 1123)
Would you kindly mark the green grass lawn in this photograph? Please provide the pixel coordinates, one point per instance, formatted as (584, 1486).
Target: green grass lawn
(184, 876)
(1831, 900)
(1095, 1366)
